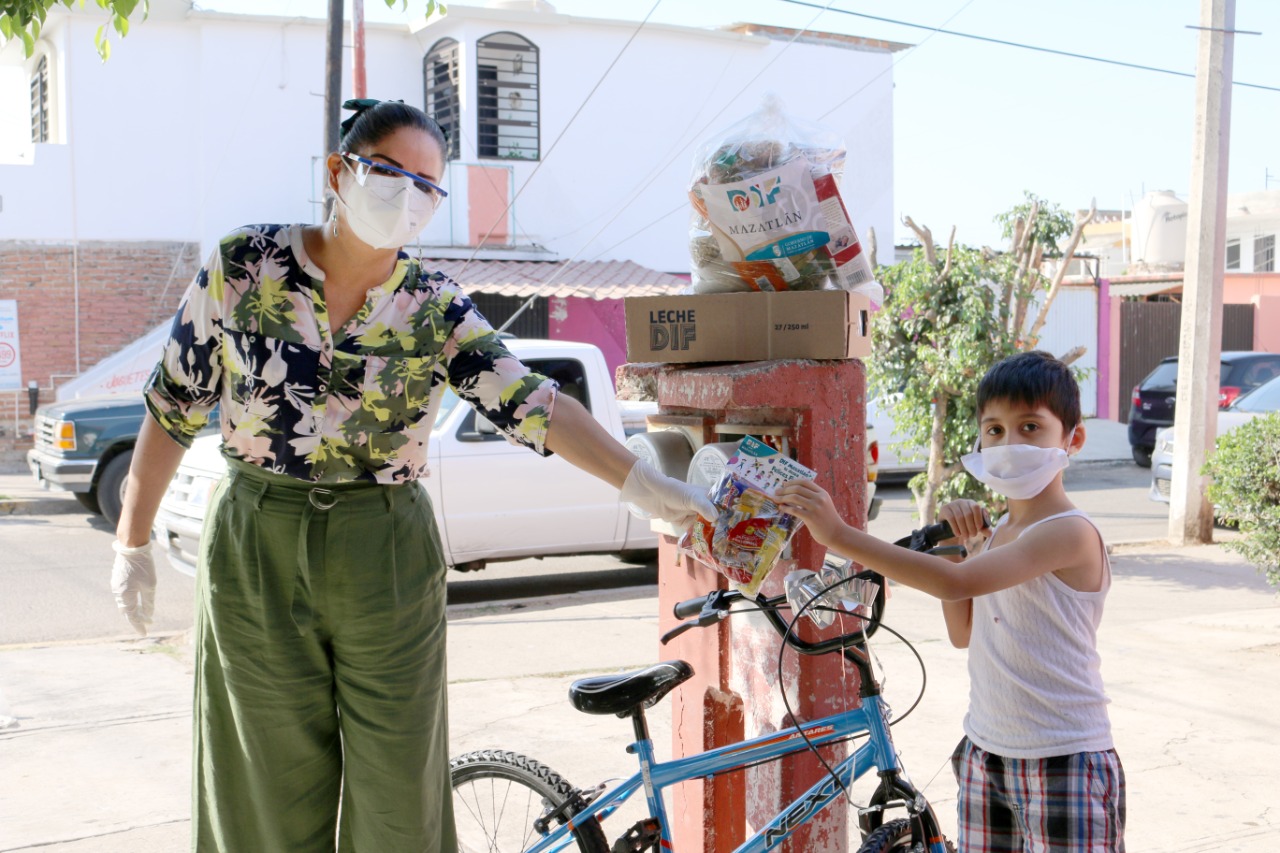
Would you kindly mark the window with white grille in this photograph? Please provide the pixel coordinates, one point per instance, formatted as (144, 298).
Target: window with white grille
(40, 101)
(507, 97)
(1264, 253)
(1233, 253)
(440, 73)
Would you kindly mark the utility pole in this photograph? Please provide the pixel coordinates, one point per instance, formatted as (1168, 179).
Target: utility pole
(358, 87)
(333, 77)
(1196, 417)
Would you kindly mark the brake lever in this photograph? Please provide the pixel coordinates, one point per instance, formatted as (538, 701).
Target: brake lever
(708, 616)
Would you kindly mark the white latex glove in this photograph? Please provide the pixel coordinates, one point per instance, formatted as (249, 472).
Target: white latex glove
(653, 492)
(133, 580)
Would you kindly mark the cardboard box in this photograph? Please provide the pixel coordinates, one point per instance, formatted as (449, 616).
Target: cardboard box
(817, 324)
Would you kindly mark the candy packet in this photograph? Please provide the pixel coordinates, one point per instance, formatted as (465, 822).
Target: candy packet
(750, 531)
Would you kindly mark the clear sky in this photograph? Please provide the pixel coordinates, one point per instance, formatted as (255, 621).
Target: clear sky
(976, 123)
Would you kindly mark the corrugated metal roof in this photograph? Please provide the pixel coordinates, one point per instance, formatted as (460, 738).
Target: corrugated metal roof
(589, 279)
(1145, 288)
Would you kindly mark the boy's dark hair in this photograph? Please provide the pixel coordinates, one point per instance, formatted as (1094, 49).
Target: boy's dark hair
(1033, 378)
(375, 120)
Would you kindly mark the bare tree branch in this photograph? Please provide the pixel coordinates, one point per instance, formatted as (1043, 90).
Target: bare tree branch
(870, 246)
(1073, 354)
(951, 244)
(927, 501)
(1076, 233)
(926, 239)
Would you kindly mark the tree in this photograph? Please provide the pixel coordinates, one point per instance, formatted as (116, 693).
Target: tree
(25, 18)
(947, 319)
(1245, 491)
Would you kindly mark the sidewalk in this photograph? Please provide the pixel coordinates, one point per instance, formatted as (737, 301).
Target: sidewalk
(99, 759)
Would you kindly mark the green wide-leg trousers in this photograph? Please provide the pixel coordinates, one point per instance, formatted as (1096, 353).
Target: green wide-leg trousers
(320, 698)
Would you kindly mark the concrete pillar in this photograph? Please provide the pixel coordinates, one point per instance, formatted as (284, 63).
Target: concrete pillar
(735, 690)
(1196, 417)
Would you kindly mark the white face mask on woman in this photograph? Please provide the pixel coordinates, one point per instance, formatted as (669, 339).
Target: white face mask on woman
(1017, 471)
(385, 211)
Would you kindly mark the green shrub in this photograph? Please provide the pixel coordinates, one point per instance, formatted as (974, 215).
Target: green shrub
(1246, 490)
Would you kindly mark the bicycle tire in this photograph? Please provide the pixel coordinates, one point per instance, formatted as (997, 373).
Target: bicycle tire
(498, 794)
(894, 837)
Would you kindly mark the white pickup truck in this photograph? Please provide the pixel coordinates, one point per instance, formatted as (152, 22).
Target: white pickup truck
(493, 500)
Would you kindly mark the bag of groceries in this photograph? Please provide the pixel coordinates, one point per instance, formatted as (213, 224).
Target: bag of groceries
(750, 531)
(767, 210)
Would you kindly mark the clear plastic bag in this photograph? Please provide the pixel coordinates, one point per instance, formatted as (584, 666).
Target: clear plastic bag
(750, 531)
(767, 210)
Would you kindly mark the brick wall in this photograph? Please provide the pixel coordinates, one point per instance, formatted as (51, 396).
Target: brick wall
(125, 289)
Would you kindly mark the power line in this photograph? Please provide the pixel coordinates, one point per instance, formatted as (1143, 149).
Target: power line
(573, 261)
(896, 62)
(1038, 49)
(543, 157)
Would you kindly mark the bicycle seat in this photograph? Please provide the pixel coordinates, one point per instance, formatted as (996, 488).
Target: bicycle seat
(623, 694)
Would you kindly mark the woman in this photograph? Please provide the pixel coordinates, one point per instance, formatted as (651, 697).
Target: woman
(320, 626)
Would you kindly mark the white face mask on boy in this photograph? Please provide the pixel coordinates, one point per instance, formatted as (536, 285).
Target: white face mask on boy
(386, 212)
(1017, 471)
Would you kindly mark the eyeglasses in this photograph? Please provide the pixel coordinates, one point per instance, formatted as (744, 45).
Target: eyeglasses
(364, 167)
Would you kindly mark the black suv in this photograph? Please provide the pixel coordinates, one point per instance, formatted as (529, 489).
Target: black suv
(1153, 397)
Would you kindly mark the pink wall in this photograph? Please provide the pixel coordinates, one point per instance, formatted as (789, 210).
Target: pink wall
(487, 193)
(1266, 323)
(1240, 288)
(1263, 291)
(593, 321)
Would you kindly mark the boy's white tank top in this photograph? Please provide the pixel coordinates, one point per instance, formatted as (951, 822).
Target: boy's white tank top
(1035, 681)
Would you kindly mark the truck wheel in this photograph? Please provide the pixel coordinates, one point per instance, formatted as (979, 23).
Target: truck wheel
(89, 500)
(111, 484)
(1142, 455)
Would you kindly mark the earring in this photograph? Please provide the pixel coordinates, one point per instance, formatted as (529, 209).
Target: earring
(333, 220)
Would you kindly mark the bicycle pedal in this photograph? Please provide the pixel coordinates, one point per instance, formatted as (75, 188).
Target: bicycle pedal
(645, 835)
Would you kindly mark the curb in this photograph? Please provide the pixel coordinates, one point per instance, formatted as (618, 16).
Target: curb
(40, 506)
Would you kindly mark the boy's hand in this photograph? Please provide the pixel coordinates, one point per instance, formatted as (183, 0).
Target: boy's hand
(967, 519)
(810, 503)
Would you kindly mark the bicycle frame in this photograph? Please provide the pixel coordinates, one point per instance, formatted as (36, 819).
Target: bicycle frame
(877, 752)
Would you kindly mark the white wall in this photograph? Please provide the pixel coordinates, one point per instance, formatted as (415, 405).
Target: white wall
(1073, 322)
(197, 126)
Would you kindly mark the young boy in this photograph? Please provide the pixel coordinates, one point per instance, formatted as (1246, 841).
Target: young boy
(1037, 768)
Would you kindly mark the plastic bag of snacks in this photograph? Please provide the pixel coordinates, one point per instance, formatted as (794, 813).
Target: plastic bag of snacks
(768, 213)
(750, 531)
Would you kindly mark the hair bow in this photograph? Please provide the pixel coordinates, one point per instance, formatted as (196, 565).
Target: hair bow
(359, 105)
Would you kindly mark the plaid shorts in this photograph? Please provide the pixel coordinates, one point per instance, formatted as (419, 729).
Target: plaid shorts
(1064, 804)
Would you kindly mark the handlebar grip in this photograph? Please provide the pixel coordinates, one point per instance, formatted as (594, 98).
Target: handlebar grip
(692, 607)
(935, 533)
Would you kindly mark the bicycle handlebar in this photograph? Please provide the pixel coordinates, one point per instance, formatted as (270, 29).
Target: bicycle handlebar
(714, 606)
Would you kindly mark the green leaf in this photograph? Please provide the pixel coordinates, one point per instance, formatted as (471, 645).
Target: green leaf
(121, 24)
(124, 8)
(28, 43)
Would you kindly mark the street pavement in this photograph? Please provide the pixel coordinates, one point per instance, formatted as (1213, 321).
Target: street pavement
(95, 758)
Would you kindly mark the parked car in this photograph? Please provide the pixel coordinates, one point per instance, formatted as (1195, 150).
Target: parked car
(1152, 404)
(85, 446)
(1260, 401)
(544, 507)
(893, 466)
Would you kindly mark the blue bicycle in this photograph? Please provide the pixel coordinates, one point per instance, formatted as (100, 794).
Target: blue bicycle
(505, 802)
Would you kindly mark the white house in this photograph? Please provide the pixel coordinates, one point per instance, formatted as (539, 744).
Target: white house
(201, 122)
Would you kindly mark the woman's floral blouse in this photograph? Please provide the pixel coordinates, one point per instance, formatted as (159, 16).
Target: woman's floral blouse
(252, 335)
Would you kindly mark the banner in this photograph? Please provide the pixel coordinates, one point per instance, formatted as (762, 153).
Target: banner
(10, 351)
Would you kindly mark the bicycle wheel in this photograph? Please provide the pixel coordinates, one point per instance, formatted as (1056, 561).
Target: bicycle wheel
(895, 837)
(497, 795)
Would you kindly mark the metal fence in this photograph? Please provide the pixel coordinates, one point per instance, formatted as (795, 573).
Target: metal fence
(1149, 332)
